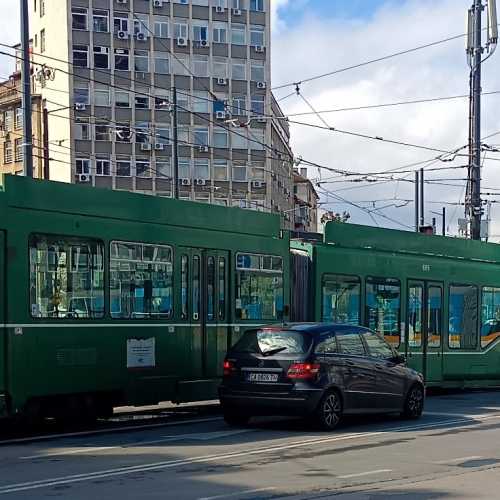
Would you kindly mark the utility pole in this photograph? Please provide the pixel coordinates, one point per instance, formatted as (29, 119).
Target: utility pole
(475, 59)
(26, 85)
(417, 187)
(422, 201)
(175, 150)
(444, 221)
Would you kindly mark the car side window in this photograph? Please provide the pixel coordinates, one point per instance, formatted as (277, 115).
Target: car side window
(377, 347)
(350, 343)
(327, 345)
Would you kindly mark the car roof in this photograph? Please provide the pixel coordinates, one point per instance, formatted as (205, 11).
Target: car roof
(312, 328)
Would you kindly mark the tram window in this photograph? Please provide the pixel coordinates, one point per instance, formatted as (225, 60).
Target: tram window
(463, 312)
(196, 287)
(222, 288)
(490, 315)
(140, 280)
(66, 277)
(341, 299)
(383, 305)
(259, 287)
(210, 288)
(415, 312)
(435, 316)
(184, 286)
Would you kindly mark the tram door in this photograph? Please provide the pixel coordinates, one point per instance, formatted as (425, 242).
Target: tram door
(205, 278)
(424, 328)
(3, 313)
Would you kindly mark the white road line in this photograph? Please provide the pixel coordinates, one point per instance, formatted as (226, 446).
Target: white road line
(204, 436)
(459, 460)
(367, 473)
(238, 493)
(121, 471)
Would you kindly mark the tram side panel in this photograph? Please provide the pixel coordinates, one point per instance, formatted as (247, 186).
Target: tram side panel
(3, 321)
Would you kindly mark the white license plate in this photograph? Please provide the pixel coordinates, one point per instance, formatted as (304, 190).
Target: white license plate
(262, 377)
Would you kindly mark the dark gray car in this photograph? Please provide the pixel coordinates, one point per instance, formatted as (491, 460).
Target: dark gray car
(317, 370)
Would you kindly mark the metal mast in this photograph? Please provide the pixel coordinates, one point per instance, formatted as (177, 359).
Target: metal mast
(26, 99)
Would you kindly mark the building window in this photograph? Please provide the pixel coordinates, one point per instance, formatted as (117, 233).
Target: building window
(102, 166)
(18, 118)
(238, 34)
(238, 69)
(121, 23)
(162, 134)
(82, 166)
(122, 168)
(141, 101)
(201, 169)
(141, 281)
(239, 172)
(123, 133)
(463, 317)
(183, 134)
(239, 140)
(66, 277)
(42, 8)
(141, 61)
(220, 32)
(161, 28)
(257, 5)
(122, 99)
(200, 102)
(122, 59)
(184, 168)
(142, 133)
(101, 131)
(258, 171)
(79, 17)
(220, 138)
(257, 71)
(100, 20)
(18, 143)
(80, 56)
(257, 104)
(141, 24)
(237, 4)
(82, 94)
(101, 57)
(256, 35)
(82, 130)
(219, 67)
(162, 100)
(220, 170)
(162, 65)
(180, 65)
(200, 32)
(200, 136)
(200, 65)
(7, 152)
(257, 139)
(8, 120)
(42, 41)
(181, 30)
(101, 95)
(142, 168)
(163, 168)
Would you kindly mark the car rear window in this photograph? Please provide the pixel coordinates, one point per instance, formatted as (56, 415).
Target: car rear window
(267, 341)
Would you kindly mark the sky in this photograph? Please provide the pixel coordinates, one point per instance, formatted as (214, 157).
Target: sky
(312, 37)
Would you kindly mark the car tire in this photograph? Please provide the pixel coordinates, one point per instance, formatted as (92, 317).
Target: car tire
(234, 419)
(414, 403)
(329, 411)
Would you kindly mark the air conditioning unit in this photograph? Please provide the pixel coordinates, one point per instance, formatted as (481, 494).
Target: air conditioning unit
(261, 85)
(145, 146)
(219, 9)
(79, 106)
(236, 12)
(185, 182)
(124, 2)
(203, 149)
(159, 146)
(122, 35)
(157, 3)
(203, 43)
(84, 178)
(259, 48)
(220, 115)
(257, 184)
(200, 182)
(221, 81)
(141, 37)
(181, 42)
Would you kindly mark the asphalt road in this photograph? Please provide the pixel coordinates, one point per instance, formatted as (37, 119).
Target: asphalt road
(453, 452)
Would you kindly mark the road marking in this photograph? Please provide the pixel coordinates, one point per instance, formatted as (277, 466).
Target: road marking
(458, 460)
(368, 473)
(121, 471)
(205, 436)
(244, 492)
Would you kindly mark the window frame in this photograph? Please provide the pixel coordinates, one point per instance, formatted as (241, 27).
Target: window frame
(482, 290)
(341, 275)
(478, 319)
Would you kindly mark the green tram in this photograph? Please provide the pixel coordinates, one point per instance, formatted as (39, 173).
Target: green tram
(110, 298)
(434, 298)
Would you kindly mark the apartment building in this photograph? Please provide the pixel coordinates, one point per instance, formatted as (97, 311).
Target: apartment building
(112, 67)
(11, 128)
(306, 202)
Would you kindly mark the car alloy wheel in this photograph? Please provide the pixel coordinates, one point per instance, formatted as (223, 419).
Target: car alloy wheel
(330, 411)
(414, 405)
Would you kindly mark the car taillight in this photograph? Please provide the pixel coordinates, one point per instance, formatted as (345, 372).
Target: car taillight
(303, 371)
(229, 368)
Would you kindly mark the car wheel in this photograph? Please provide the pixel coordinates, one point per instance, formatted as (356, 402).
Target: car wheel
(329, 411)
(235, 419)
(414, 404)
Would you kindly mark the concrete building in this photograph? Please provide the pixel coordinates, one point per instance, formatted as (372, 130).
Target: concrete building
(110, 68)
(11, 128)
(306, 203)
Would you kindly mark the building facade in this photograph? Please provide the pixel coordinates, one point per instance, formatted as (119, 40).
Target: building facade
(11, 129)
(110, 67)
(306, 203)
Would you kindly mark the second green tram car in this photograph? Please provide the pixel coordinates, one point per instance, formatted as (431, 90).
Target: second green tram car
(110, 298)
(434, 298)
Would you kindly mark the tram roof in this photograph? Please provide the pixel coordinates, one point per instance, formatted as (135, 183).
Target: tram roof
(58, 197)
(407, 242)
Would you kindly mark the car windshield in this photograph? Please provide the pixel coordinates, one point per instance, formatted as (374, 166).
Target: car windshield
(269, 342)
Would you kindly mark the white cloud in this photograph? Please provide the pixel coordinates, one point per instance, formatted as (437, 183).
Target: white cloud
(317, 45)
(10, 29)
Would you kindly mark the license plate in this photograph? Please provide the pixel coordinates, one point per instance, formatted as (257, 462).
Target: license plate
(262, 377)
